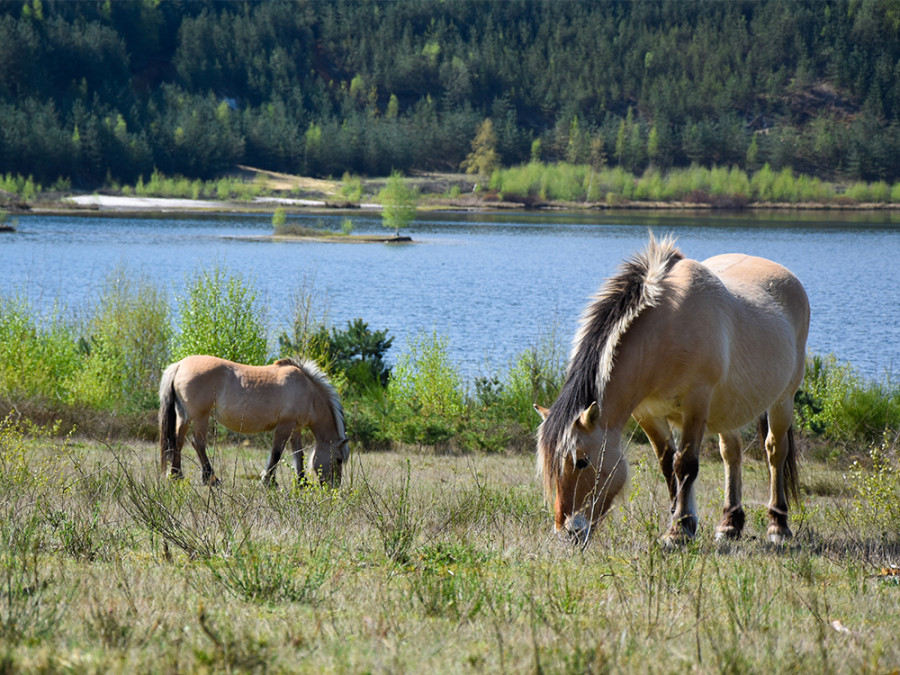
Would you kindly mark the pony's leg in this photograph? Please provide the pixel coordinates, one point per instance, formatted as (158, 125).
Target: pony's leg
(282, 434)
(686, 465)
(200, 428)
(659, 433)
(297, 456)
(778, 453)
(174, 453)
(733, 514)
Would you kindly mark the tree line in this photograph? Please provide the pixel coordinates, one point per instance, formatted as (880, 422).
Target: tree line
(103, 90)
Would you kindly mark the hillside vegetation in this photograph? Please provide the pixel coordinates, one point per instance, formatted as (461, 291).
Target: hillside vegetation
(98, 91)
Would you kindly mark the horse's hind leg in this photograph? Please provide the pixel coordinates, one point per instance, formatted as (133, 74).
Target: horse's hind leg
(200, 428)
(779, 453)
(174, 453)
(733, 514)
(282, 434)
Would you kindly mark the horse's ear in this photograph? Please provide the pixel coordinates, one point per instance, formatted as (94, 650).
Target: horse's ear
(587, 420)
(543, 412)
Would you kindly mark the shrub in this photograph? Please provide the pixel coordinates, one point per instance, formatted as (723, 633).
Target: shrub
(425, 390)
(876, 502)
(305, 339)
(836, 402)
(221, 316)
(351, 188)
(36, 360)
(126, 347)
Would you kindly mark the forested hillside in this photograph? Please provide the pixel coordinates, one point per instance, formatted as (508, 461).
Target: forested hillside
(94, 91)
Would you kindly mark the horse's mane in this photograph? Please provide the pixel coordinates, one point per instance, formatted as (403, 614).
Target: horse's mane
(320, 380)
(620, 300)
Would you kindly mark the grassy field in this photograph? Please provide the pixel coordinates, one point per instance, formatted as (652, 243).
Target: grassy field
(426, 563)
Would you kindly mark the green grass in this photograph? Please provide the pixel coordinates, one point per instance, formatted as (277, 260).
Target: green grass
(717, 186)
(420, 562)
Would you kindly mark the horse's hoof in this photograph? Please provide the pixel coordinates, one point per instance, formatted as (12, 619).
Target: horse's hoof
(677, 538)
(212, 481)
(727, 533)
(779, 536)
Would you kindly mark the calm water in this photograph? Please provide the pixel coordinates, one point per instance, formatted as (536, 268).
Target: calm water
(492, 283)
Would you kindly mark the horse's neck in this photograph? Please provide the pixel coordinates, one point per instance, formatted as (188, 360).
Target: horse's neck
(627, 383)
(322, 422)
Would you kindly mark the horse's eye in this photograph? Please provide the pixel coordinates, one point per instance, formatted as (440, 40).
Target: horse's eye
(581, 463)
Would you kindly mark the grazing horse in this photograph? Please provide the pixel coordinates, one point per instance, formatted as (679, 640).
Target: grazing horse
(678, 343)
(285, 397)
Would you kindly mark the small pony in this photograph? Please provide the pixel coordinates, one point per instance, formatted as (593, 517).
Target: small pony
(678, 343)
(285, 397)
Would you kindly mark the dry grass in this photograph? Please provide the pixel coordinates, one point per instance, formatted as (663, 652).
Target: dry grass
(421, 562)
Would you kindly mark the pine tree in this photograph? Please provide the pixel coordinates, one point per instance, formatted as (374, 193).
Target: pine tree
(483, 159)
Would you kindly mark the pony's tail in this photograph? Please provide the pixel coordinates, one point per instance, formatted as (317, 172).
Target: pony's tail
(791, 471)
(167, 414)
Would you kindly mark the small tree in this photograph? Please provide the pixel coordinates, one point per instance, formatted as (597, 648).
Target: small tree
(398, 201)
(483, 159)
(221, 316)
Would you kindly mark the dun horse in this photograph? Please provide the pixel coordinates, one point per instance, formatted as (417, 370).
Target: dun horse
(678, 343)
(285, 397)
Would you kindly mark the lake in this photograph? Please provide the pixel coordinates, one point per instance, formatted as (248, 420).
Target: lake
(493, 283)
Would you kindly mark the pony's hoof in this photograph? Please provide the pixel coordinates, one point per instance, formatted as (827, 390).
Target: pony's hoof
(779, 536)
(677, 538)
(212, 481)
(727, 533)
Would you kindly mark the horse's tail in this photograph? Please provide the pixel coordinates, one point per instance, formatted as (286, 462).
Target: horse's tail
(791, 470)
(167, 413)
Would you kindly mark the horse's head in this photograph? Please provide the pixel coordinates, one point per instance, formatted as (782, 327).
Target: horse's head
(583, 470)
(328, 460)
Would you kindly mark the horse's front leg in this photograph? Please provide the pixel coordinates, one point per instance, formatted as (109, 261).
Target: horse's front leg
(297, 456)
(659, 433)
(685, 466)
(733, 514)
(282, 433)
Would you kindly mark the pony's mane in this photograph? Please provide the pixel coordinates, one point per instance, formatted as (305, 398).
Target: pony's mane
(620, 300)
(320, 380)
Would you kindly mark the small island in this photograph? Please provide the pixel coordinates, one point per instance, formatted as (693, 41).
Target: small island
(329, 237)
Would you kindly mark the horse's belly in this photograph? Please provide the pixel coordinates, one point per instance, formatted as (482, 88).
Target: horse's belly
(246, 417)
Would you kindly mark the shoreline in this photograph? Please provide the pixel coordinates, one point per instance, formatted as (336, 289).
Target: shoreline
(112, 205)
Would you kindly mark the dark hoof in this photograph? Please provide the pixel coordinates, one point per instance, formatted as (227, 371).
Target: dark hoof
(732, 524)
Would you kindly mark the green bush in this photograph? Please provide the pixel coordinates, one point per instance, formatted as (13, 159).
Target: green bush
(836, 402)
(425, 390)
(126, 347)
(221, 316)
(876, 492)
(36, 360)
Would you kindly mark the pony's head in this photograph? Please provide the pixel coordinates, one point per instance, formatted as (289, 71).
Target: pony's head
(332, 445)
(328, 460)
(583, 470)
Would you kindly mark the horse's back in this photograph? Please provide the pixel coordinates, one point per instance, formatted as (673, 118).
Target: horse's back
(733, 325)
(768, 297)
(769, 317)
(248, 398)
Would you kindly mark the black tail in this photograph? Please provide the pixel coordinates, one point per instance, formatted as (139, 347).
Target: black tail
(167, 417)
(791, 470)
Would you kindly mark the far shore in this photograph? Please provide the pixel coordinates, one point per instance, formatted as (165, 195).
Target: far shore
(95, 204)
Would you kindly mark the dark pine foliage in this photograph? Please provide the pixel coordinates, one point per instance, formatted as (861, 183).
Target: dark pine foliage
(104, 90)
